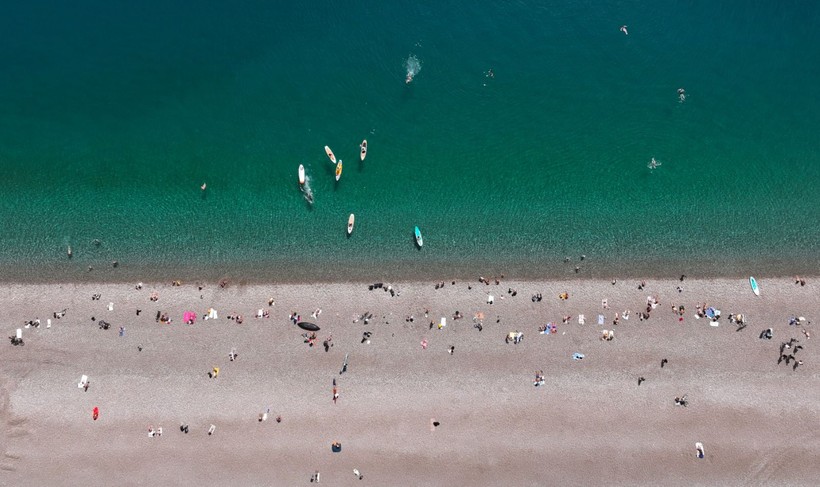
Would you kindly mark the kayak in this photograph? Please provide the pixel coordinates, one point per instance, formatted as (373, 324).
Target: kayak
(419, 240)
(350, 222)
(339, 170)
(330, 154)
(364, 149)
(307, 326)
(753, 283)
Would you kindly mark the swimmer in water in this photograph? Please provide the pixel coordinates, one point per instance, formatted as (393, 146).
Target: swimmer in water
(204, 185)
(623, 29)
(681, 95)
(409, 79)
(490, 73)
(653, 164)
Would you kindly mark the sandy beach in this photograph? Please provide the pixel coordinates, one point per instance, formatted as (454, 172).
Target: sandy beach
(590, 423)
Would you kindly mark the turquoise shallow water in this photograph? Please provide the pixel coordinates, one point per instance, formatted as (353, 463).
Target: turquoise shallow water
(112, 115)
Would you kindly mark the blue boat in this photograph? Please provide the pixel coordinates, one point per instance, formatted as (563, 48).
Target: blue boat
(419, 240)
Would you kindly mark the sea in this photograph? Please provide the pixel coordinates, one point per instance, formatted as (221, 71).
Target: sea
(522, 143)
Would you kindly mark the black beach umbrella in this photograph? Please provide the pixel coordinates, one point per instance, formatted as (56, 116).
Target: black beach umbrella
(307, 326)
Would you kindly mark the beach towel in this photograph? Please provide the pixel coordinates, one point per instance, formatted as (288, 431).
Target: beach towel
(600, 319)
(490, 299)
(212, 314)
(83, 381)
(19, 333)
(577, 356)
(110, 306)
(581, 319)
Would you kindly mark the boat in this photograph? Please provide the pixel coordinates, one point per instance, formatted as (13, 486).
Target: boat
(301, 174)
(753, 283)
(339, 170)
(364, 149)
(330, 154)
(350, 221)
(308, 326)
(419, 240)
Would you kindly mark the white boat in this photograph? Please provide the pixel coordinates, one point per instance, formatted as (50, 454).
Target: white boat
(330, 154)
(350, 221)
(363, 148)
(339, 170)
(301, 174)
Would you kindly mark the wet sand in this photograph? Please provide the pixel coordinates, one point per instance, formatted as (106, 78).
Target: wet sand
(589, 424)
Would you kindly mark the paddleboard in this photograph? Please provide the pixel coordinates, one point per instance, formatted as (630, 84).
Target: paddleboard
(330, 154)
(301, 174)
(364, 149)
(350, 221)
(419, 239)
(339, 170)
(753, 283)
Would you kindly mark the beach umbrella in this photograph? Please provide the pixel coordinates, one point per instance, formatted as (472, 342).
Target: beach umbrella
(307, 326)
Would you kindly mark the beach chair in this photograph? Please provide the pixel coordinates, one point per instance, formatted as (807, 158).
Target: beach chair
(83, 382)
(211, 430)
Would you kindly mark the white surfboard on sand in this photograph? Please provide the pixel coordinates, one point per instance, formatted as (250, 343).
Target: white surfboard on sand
(755, 288)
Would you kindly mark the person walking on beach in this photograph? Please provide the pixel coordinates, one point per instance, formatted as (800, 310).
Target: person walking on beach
(640, 379)
(663, 362)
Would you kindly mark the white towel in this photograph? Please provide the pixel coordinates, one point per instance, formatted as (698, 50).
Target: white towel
(110, 306)
(600, 319)
(581, 319)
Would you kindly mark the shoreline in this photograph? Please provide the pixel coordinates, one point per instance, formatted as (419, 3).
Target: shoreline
(76, 272)
(495, 426)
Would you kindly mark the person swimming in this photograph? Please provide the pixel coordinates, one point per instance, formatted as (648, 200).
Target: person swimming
(408, 79)
(623, 29)
(653, 164)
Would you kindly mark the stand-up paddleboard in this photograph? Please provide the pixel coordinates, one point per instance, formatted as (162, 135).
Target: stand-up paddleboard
(330, 154)
(339, 170)
(419, 240)
(350, 221)
(753, 283)
(364, 149)
(301, 174)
